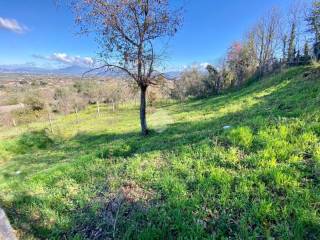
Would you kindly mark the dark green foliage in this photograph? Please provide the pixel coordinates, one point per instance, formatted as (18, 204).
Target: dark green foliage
(35, 140)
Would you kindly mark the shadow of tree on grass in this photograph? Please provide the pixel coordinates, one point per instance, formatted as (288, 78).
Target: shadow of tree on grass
(100, 213)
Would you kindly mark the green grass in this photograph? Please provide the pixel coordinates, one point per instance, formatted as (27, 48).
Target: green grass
(97, 178)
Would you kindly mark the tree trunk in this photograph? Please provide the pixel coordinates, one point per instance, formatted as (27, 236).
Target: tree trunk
(98, 108)
(77, 115)
(143, 105)
(113, 106)
(14, 122)
(50, 123)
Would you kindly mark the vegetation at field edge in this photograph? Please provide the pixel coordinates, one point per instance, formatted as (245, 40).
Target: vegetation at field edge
(97, 178)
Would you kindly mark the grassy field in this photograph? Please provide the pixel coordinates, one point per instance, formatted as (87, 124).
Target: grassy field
(192, 178)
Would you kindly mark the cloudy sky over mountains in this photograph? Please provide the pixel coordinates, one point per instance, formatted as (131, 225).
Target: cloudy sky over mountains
(37, 33)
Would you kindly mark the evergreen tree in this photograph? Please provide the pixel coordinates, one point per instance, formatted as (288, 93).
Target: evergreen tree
(313, 20)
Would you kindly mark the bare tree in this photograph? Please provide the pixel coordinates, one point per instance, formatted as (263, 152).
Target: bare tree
(116, 92)
(295, 17)
(96, 92)
(61, 100)
(267, 39)
(191, 83)
(127, 31)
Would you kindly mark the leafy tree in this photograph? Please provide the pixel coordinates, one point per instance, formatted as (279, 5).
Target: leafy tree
(242, 61)
(214, 82)
(313, 20)
(294, 24)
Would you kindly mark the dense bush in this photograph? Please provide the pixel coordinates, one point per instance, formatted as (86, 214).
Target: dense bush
(34, 140)
(192, 83)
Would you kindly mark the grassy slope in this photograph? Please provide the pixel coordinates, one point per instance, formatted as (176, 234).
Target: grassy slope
(191, 179)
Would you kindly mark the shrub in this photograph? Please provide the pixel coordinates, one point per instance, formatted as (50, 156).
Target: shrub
(192, 83)
(34, 140)
(22, 116)
(34, 102)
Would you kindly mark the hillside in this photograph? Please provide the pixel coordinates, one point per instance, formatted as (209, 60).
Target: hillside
(244, 165)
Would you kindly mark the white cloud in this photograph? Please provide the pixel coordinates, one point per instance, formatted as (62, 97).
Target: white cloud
(204, 65)
(67, 59)
(12, 25)
(199, 66)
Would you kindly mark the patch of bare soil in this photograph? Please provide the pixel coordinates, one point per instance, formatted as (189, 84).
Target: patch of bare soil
(105, 222)
(10, 108)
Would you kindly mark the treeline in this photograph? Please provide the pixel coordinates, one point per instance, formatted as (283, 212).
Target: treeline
(277, 40)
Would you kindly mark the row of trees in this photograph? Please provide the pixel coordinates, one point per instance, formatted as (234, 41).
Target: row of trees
(275, 41)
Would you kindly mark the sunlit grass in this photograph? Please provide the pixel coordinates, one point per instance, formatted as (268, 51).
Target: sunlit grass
(190, 179)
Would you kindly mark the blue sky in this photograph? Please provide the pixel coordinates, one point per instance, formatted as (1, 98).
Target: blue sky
(35, 32)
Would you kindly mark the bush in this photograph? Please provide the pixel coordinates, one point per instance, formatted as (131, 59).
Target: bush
(22, 116)
(34, 102)
(34, 140)
(192, 83)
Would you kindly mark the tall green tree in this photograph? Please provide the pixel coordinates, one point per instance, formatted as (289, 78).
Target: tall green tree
(313, 20)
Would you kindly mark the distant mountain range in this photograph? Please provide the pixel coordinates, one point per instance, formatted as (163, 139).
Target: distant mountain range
(72, 70)
(69, 71)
